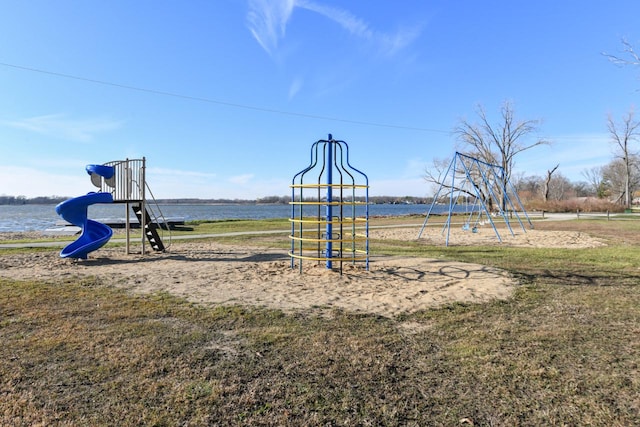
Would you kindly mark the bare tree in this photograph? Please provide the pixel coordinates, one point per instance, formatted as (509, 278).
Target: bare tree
(582, 189)
(498, 144)
(436, 174)
(631, 57)
(530, 187)
(560, 188)
(623, 135)
(547, 182)
(615, 177)
(595, 179)
(441, 170)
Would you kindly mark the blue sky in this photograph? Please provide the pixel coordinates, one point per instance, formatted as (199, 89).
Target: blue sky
(224, 98)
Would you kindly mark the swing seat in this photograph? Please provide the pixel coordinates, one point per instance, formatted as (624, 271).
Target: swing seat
(465, 227)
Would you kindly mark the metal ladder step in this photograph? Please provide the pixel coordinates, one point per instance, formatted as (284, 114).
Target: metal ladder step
(150, 228)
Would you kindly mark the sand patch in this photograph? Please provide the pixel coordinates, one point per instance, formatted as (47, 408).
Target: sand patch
(211, 273)
(208, 273)
(486, 236)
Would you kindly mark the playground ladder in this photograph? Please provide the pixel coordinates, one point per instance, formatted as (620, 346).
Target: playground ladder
(150, 228)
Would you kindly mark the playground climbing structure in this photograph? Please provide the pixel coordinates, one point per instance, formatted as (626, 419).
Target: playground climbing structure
(128, 186)
(329, 209)
(489, 190)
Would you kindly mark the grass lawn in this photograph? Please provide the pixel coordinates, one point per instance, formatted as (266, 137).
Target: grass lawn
(563, 351)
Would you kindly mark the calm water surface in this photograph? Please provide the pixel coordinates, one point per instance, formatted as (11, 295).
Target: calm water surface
(41, 217)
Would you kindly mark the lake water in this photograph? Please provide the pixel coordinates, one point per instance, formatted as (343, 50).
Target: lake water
(41, 217)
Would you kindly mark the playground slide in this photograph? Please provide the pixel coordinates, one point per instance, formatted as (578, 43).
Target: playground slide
(97, 172)
(94, 234)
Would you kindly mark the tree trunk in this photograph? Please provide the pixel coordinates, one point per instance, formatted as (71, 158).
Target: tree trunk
(547, 181)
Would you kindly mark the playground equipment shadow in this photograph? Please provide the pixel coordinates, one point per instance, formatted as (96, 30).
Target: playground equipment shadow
(61, 243)
(212, 256)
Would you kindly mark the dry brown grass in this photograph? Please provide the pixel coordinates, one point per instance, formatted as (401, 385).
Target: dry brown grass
(563, 351)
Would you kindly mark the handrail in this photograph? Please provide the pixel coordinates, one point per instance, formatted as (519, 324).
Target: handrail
(156, 217)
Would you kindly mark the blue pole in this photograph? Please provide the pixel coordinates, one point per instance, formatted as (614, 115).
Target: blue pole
(329, 230)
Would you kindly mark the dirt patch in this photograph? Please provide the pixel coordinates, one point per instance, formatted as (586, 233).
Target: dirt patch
(211, 273)
(486, 236)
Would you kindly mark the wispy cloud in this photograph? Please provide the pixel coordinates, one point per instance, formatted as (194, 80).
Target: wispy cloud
(267, 21)
(344, 18)
(60, 126)
(295, 87)
(390, 44)
(387, 43)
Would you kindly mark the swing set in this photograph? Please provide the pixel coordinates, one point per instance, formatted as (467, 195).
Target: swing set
(476, 212)
(492, 193)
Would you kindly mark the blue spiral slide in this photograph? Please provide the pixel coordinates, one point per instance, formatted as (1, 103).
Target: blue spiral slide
(94, 234)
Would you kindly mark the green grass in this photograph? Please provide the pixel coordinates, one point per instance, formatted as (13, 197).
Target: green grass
(618, 260)
(563, 351)
(227, 226)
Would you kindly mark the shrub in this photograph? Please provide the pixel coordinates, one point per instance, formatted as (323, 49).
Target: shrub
(582, 204)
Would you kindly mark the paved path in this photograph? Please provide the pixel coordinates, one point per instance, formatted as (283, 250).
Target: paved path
(62, 243)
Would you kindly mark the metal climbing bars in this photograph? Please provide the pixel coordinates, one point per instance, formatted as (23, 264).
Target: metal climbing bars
(329, 209)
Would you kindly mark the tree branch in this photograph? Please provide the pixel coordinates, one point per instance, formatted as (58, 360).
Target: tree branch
(627, 49)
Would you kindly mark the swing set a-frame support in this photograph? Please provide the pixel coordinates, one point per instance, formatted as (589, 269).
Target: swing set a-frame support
(488, 185)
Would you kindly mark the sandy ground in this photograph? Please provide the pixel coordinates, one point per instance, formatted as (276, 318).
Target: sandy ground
(211, 273)
(486, 236)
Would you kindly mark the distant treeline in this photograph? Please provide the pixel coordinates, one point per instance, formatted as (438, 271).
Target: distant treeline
(283, 200)
(21, 200)
(372, 199)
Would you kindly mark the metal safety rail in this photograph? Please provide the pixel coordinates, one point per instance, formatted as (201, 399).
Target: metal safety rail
(329, 209)
(127, 183)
